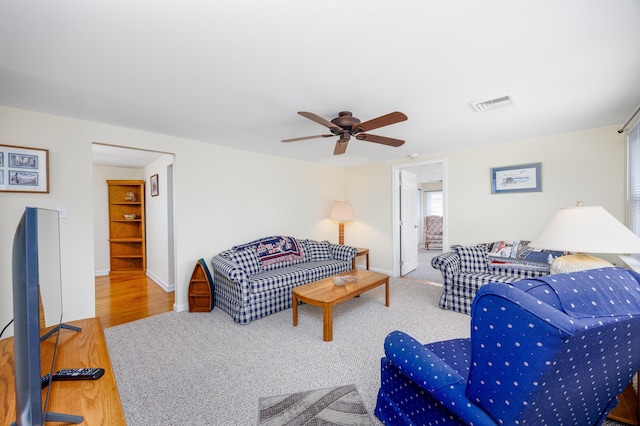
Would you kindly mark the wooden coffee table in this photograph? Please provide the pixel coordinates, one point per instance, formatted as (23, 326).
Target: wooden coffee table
(325, 294)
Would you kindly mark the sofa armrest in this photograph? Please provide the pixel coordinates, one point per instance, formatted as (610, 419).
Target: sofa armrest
(431, 373)
(448, 263)
(342, 252)
(230, 270)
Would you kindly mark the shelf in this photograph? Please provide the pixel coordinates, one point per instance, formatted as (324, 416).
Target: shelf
(201, 289)
(127, 236)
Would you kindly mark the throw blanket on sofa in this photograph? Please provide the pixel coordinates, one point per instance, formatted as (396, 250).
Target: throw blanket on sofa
(272, 250)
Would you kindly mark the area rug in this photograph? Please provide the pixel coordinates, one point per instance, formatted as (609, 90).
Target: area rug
(340, 405)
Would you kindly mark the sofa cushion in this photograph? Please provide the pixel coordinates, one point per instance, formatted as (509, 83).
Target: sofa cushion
(472, 259)
(247, 259)
(282, 277)
(323, 268)
(318, 250)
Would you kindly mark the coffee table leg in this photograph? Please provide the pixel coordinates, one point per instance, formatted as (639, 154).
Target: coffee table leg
(327, 320)
(386, 292)
(295, 310)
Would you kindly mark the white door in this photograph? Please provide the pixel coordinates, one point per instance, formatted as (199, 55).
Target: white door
(408, 222)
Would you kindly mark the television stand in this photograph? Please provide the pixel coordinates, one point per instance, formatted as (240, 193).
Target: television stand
(63, 418)
(97, 401)
(62, 326)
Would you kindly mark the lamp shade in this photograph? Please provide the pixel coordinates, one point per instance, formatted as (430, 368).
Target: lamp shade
(341, 211)
(588, 229)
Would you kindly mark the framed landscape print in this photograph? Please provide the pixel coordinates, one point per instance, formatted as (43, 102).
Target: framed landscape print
(24, 169)
(522, 178)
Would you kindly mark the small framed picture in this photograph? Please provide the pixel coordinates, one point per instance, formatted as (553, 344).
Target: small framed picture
(24, 169)
(522, 178)
(153, 180)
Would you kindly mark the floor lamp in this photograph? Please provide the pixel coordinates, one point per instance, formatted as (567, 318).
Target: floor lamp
(341, 211)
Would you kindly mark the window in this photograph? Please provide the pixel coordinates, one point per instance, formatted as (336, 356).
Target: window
(434, 203)
(633, 178)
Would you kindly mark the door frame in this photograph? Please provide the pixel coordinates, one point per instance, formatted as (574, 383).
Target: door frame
(395, 203)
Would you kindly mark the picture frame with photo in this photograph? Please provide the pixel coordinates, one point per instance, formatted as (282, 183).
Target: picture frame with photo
(153, 180)
(521, 178)
(24, 169)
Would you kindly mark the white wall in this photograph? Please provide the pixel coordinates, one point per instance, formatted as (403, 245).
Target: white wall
(157, 222)
(223, 196)
(587, 165)
(101, 211)
(70, 183)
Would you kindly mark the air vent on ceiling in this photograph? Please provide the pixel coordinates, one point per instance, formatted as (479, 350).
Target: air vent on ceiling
(480, 106)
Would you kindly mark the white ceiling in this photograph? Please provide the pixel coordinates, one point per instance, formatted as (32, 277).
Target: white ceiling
(236, 72)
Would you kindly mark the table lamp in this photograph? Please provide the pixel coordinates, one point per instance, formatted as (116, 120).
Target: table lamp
(582, 230)
(341, 211)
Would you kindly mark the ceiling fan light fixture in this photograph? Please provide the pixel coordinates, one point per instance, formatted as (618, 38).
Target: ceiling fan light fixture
(346, 125)
(485, 105)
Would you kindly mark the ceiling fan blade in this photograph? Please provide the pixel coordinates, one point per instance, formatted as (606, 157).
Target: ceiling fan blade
(306, 137)
(384, 120)
(341, 146)
(319, 120)
(379, 139)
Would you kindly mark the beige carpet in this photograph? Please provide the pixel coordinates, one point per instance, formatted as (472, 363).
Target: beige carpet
(204, 369)
(424, 271)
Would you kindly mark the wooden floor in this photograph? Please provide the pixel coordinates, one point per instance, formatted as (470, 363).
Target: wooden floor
(124, 298)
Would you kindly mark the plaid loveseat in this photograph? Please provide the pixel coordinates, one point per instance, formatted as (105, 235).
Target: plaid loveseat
(466, 269)
(255, 279)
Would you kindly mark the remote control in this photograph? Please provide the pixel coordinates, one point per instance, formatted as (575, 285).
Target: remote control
(78, 374)
(44, 381)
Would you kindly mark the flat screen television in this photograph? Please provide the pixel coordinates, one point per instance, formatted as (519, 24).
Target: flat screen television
(37, 280)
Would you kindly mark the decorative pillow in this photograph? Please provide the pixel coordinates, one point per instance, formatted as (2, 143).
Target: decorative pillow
(248, 259)
(504, 249)
(472, 259)
(541, 256)
(318, 250)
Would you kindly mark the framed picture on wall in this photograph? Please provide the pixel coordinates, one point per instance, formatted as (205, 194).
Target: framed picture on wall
(153, 180)
(522, 178)
(24, 169)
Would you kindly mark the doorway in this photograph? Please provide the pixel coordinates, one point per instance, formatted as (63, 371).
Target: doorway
(428, 174)
(117, 162)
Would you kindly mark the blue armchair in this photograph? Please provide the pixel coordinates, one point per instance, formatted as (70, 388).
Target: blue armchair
(556, 349)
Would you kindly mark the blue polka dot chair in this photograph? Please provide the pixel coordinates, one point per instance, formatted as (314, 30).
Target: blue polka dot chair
(554, 350)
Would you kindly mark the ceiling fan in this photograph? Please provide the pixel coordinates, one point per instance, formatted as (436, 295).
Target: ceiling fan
(346, 125)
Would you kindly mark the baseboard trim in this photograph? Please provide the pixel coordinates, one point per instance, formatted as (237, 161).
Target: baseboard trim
(166, 287)
(181, 308)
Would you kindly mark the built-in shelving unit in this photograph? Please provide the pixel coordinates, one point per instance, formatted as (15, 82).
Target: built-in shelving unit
(126, 227)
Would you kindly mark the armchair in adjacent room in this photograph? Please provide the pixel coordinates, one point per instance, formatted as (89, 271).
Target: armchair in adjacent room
(556, 349)
(432, 230)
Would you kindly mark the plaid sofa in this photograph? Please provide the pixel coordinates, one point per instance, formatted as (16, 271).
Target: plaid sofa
(466, 269)
(255, 279)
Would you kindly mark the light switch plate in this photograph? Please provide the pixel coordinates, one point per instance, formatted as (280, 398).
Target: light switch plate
(62, 208)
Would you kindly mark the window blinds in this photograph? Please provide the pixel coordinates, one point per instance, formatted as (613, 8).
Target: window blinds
(633, 177)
